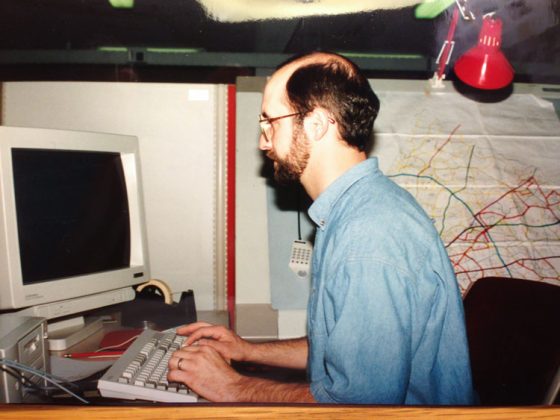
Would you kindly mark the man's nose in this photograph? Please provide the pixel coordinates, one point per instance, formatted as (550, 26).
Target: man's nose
(264, 144)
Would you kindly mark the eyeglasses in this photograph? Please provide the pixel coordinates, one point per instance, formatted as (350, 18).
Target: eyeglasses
(266, 124)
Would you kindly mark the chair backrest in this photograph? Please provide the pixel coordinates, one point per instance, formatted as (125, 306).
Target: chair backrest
(513, 328)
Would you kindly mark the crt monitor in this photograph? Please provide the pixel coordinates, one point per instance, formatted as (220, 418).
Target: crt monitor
(72, 231)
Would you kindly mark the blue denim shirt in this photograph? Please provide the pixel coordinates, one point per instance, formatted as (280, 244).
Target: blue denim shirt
(385, 316)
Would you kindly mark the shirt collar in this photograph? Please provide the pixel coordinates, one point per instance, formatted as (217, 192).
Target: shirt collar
(321, 208)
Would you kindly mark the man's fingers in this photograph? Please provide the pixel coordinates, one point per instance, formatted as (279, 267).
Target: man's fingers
(186, 353)
(219, 347)
(190, 328)
(188, 358)
(211, 331)
(204, 371)
(182, 360)
(178, 376)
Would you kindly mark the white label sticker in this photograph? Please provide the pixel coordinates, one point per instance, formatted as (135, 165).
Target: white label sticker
(199, 95)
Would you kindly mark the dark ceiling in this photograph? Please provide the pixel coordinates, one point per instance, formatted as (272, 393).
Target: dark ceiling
(160, 39)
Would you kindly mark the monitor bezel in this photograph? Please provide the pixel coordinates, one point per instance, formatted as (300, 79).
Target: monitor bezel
(13, 293)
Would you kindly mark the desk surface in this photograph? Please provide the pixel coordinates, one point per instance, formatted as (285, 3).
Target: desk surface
(212, 411)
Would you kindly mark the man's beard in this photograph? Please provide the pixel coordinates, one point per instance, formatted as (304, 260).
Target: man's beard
(291, 167)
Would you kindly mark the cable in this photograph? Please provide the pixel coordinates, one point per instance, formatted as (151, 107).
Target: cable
(40, 372)
(116, 346)
(299, 213)
(48, 377)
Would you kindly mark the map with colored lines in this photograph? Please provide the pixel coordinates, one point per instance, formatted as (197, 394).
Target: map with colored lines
(493, 192)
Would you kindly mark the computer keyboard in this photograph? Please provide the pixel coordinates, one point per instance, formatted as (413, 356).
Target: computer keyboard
(141, 372)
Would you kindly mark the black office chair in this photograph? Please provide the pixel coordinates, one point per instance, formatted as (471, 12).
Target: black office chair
(513, 327)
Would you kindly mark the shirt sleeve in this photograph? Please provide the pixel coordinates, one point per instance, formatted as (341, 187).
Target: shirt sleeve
(368, 350)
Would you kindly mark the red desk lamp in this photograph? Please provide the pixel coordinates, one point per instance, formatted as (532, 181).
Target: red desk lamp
(485, 65)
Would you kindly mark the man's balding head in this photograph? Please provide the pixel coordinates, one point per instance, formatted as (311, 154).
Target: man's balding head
(334, 83)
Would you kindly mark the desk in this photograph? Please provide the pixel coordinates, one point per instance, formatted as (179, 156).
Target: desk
(225, 411)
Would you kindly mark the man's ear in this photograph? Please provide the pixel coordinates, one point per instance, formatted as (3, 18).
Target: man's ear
(316, 123)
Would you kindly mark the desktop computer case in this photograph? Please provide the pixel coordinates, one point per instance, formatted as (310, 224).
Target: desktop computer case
(22, 340)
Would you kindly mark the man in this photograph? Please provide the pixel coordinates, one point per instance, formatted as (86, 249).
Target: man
(385, 317)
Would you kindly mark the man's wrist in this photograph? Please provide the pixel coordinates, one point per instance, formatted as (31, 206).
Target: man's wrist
(248, 353)
(242, 389)
(251, 389)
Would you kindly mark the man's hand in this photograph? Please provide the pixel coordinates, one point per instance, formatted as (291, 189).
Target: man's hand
(228, 344)
(202, 364)
(206, 373)
(291, 353)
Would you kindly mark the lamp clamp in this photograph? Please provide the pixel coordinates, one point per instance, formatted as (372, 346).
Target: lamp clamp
(464, 9)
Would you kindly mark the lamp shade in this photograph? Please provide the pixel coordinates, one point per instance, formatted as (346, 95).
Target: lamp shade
(485, 65)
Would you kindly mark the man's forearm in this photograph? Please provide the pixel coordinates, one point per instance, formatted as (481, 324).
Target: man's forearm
(263, 390)
(283, 353)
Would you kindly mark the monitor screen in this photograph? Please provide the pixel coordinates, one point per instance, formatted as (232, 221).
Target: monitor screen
(72, 213)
